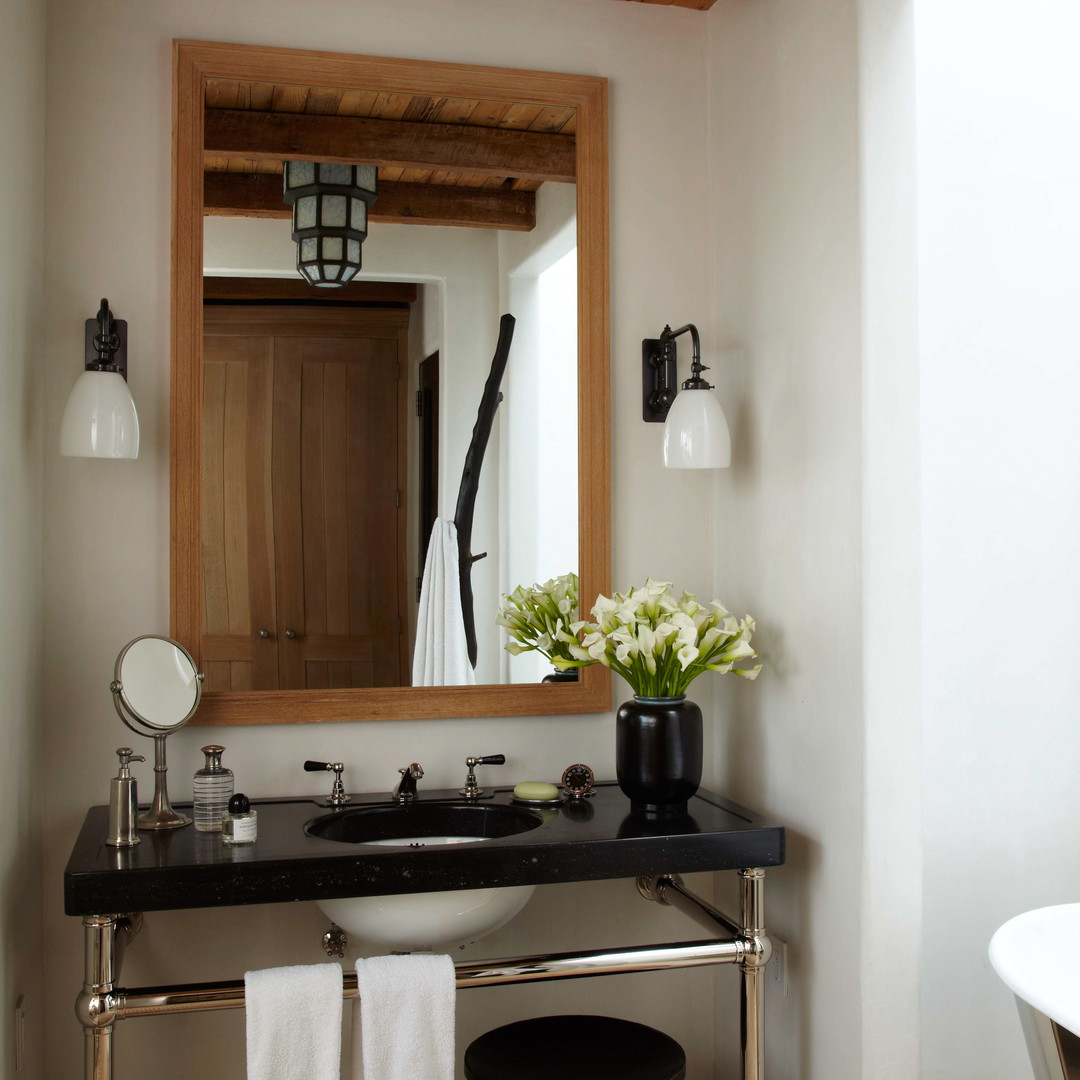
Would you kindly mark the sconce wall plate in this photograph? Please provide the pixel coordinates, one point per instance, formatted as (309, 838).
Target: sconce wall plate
(117, 352)
(659, 379)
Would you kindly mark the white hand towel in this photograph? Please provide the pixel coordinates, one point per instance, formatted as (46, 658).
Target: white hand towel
(294, 1023)
(441, 655)
(403, 1025)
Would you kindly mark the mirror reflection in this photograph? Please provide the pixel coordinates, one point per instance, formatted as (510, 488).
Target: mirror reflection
(157, 683)
(336, 421)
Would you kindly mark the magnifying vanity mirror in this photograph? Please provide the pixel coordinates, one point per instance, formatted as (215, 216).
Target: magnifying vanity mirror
(318, 432)
(156, 689)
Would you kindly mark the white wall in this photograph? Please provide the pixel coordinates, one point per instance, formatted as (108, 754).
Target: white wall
(784, 332)
(22, 218)
(999, 231)
(107, 523)
(891, 902)
(538, 420)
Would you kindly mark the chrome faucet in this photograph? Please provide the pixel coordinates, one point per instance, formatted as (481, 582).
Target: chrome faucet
(405, 792)
(337, 797)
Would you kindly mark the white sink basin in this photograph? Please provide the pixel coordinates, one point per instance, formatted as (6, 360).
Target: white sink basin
(415, 922)
(1037, 956)
(418, 922)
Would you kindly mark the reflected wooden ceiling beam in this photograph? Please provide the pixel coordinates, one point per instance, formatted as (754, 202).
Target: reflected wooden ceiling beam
(696, 5)
(295, 288)
(259, 195)
(461, 148)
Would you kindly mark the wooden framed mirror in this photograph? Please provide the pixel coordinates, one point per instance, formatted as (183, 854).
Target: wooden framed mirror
(478, 156)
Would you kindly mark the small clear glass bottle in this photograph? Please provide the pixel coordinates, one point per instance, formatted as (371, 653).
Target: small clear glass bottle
(240, 824)
(212, 787)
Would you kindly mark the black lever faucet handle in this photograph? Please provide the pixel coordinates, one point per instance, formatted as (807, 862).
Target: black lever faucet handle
(337, 796)
(472, 790)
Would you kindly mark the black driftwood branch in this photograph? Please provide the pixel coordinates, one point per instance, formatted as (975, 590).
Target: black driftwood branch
(470, 479)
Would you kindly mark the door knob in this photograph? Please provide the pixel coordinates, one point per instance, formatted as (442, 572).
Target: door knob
(290, 634)
(264, 633)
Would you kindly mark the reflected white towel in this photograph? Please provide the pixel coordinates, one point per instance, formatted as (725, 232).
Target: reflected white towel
(294, 1023)
(403, 1025)
(441, 655)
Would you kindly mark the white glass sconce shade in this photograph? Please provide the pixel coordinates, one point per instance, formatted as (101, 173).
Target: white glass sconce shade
(99, 418)
(696, 434)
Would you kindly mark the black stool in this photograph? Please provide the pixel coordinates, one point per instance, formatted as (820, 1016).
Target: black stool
(599, 1047)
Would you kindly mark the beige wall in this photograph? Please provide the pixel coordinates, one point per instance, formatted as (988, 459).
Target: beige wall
(785, 332)
(22, 213)
(107, 523)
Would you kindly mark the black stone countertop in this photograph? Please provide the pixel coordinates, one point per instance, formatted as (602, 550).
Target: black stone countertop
(597, 839)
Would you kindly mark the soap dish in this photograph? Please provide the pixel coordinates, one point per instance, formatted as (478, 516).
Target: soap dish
(539, 803)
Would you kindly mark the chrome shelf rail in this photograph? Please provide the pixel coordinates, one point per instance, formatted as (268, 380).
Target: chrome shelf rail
(101, 1004)
(206, 997)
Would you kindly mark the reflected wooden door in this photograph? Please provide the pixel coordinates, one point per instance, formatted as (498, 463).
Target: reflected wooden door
(324, 509)
(237, 514)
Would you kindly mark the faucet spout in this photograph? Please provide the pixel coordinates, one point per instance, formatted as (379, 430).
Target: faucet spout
(405, 792)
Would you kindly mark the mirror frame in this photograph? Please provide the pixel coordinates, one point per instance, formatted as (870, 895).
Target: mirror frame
(194, 63)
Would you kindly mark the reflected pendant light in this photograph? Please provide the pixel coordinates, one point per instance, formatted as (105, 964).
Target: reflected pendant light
(329, 217)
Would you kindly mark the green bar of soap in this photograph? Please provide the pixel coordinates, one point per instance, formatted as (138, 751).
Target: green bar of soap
(536, 791)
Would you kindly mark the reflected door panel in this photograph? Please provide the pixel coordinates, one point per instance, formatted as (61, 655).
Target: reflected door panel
(322, 509)
(237, 524)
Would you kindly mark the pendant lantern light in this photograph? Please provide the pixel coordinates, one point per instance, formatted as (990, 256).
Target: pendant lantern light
(329, 217)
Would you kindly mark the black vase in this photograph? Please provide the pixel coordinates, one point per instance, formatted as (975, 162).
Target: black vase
(569, 675)
(658, 753)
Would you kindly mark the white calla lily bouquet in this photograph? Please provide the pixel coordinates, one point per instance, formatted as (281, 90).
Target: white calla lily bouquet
(659, 643)
(539, 618)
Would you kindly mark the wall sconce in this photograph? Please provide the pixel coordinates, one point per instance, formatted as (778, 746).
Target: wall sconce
(696, 432)
(99, 418)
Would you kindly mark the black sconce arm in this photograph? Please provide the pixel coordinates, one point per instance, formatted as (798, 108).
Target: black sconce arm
(660, 372)
(105, 345)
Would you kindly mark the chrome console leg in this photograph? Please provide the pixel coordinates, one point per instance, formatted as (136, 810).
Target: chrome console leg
(104, 938)
(752, 970)
(95, 1006)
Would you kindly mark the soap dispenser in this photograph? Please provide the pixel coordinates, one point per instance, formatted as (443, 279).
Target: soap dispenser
(124, 803)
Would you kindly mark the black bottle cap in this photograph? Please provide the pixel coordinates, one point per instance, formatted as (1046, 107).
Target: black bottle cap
(239, 804)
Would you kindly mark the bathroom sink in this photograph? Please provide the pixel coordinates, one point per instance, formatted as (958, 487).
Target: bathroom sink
(423, 824)
(432, 920)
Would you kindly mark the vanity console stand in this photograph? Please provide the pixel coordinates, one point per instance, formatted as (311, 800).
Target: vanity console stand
(715, 835)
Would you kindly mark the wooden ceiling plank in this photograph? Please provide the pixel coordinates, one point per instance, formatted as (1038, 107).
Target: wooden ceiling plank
(469, 149)
(290, 99)
(520, 116)
(356, 103)
(457, 110)
(239, 195)
(222, 93)
(551, 120)
(324, 100)
(391, 106)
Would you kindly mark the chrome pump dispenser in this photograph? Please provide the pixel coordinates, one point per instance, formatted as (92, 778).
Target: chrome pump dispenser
(124, 803)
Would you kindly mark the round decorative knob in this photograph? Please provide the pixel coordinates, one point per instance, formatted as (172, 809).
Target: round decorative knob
(264, 634)
(290, 634)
